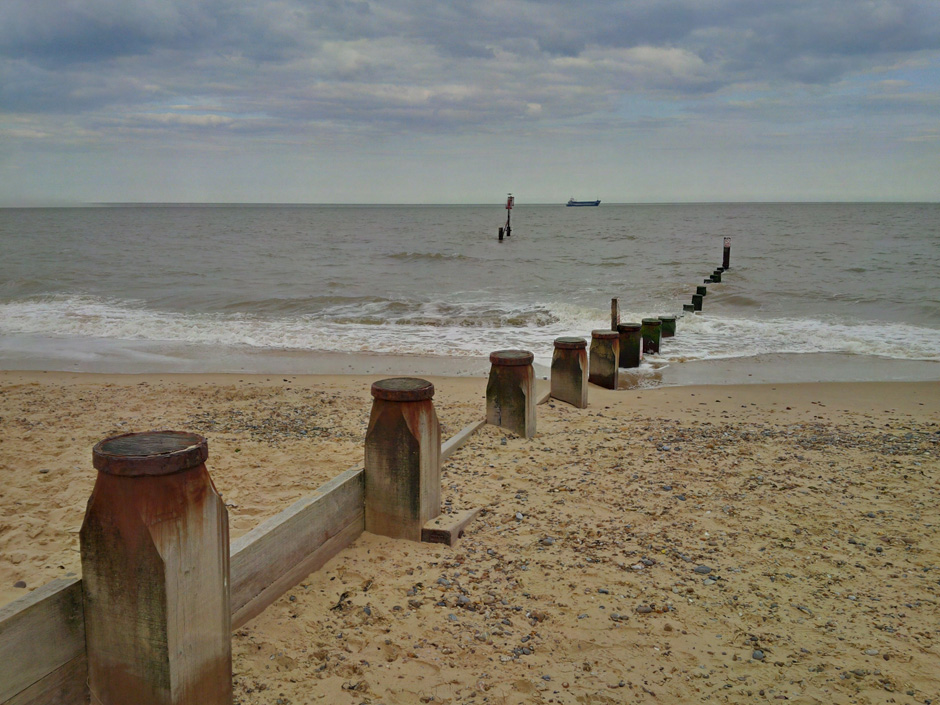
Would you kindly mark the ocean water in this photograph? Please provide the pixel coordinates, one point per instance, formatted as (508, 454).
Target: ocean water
(223, 288)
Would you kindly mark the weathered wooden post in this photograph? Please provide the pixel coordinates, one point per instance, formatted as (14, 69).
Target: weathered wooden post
(570, 371)
(726, 255)
(631, 348)
(697, 301)
(703, 290)
(614, 314)
(605, 352)
(669, 326)
(688, 307)
(716, 276)
(155, 574)
(402, 459)
(510, 392)
(651, 332)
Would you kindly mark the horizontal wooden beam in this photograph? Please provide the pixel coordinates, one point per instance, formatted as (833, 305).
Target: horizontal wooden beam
(40, 633)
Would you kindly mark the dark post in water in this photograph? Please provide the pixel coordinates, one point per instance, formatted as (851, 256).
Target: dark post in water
(726, 255)
(652, 333)
(702, 290)
(614, 314)
(507, 228)
(570, 371)
(631, 348)
(697, 302)
(155, 574)
(402, 459)
(605, 351)
(669, 326)
(510, 392)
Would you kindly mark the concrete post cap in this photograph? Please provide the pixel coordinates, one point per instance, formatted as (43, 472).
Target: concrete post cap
(570, 343)
(402, 389)
(511, 357)
(150, 453)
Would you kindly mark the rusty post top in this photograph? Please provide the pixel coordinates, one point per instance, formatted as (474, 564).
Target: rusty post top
(511, 357)
(604, 334)
(570, 343)
(402, 389)
(150, 453)
(628, 327)
(652, 322)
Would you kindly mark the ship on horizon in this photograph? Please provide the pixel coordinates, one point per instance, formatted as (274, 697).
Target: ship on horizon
(572, 202)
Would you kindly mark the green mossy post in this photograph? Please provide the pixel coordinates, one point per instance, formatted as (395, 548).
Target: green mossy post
(402, 459)
(652, 334)
(697, 302)
(605, 352)
(510, 392)
(716, 276)
(702, 290)
(570, 371)
(669, 326)
(155, 574)
(688, 307)
(631, 347)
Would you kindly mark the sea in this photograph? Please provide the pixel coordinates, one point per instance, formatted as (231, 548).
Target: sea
(815, 292)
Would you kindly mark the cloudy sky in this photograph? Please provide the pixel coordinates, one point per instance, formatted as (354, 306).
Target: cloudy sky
(461, 101)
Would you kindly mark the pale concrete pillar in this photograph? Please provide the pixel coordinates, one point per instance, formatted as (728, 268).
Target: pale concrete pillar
(605, 352)
(570, 371)
(155, 574)
(402, 459)
(510, 392)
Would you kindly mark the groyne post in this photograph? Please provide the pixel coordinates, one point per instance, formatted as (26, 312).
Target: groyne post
(702, 290)
(716, 276)
(726, 254)
(631, 348)
(669, 326)
(614, 314)
(402, 459)
(697, 302)
(605, 353)
(570, 371)
(652, 334)
(510, 392)
(155, 574)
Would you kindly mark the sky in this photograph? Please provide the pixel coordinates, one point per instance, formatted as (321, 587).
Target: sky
(430, 101)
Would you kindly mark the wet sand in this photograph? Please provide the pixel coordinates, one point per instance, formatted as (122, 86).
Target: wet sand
(678, 544)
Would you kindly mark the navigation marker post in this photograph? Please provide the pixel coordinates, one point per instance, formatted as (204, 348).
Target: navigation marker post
(507, 228)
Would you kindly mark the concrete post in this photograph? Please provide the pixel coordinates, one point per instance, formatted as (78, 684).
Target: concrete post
(510, 392)
(631, 349)
(570, 371)
(652, 333)
(697, 302)
(669, 326)
(155, 574)
(605, 352)
(402, 459)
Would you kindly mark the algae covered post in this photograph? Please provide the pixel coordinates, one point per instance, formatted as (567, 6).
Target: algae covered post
(570, 371)
(631, 350)
(605, 351)
(510, 392)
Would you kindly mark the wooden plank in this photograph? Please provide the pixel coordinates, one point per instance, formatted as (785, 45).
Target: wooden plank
(266, 559)
(39, 633)
(447, 528)
(66, 685)
(458, 439)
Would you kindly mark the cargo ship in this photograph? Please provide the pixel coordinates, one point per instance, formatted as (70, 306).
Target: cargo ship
(572, 202)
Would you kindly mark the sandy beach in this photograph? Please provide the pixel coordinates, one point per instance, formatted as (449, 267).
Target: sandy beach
(729, 543)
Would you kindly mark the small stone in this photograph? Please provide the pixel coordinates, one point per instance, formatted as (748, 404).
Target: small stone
(547, 541)
(519, 516)
(871, 652)
(19, 584)
(44, 471)
(709, 581)
(703, 569)
(757, 655)
(644, 609)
